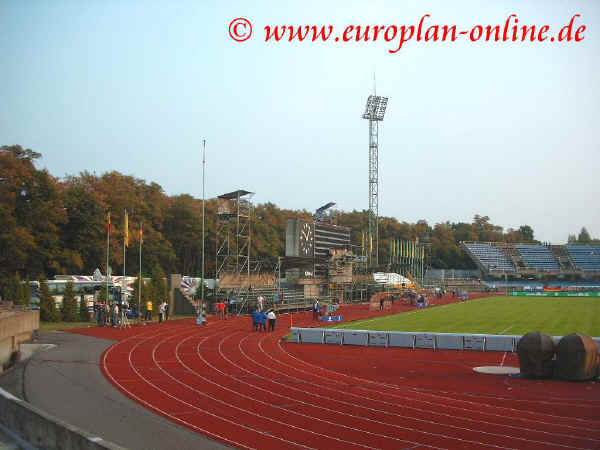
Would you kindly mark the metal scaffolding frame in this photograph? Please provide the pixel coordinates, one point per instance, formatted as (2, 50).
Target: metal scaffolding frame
(234, 233)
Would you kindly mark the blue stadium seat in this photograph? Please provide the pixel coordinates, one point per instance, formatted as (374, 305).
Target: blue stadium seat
(538, 256)
(585, 257)
(490, 256)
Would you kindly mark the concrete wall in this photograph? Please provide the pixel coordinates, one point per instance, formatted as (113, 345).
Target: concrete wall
(43, 430)
(16, 327)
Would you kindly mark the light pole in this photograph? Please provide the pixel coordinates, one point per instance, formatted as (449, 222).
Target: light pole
(374, 112)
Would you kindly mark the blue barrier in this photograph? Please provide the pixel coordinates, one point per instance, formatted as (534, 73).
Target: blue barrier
(406, 339)
(332, 318)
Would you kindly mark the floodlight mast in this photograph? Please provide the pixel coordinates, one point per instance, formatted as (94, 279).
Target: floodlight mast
(374, 112)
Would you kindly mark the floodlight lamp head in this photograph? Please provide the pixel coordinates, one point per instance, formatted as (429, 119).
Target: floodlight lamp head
(320, 213)
(375, 109)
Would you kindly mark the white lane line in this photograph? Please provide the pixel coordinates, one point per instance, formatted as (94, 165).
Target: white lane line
(346, 392)
(221, 386)
(296, 400)
(155, 408)
(471, 406)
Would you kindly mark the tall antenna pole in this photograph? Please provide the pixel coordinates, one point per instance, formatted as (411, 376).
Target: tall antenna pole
(203, 169)
(374, 83)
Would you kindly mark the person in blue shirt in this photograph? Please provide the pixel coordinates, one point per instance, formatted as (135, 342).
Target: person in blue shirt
(262, 321)
(255, 320)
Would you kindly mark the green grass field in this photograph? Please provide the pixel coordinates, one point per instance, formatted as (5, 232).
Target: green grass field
(496, 315)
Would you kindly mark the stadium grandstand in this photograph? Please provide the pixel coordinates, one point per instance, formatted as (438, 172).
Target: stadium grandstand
(535, 261)
(585, 257)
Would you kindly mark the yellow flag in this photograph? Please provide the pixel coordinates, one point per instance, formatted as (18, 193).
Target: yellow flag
(126, 230)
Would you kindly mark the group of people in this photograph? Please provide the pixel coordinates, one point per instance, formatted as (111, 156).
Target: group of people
(106, 315)
(262, 321)
(163, 311)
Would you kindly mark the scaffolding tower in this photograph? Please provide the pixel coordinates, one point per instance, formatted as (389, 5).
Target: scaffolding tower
(233, 236)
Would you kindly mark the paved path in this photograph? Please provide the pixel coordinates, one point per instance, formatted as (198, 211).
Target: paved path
(66, 382)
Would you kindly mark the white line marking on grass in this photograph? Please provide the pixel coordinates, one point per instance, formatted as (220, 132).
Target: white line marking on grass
(506, 329)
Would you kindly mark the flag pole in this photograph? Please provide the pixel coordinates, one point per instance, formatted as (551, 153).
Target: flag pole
(140, 280)
(107, 251)
(125, 237)
(203, 169)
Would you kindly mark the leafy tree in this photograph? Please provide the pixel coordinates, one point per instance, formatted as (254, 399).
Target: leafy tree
(183, 229)
(135, 295)
(584, 236)
(13, 290)
(527, 233)
(31, 204)
(148, 295)
(69, 304)
(83, 235)
(54, 226)
(48, 311)
(101, 295)
(84, 314)
(159, 288)
(26, 298)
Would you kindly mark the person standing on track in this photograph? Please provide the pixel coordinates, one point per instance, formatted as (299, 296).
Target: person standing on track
(148, 310)
(262, 320)
(161, 312)
(271, 317)
(316, 309)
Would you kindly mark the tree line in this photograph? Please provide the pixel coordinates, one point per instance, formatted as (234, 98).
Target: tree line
(59, 226)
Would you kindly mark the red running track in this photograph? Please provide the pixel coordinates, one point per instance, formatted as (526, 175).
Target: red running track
(251, 390)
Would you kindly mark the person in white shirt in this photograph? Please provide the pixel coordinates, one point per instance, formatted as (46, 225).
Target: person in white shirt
(161, 311)
(260, 303)
(271, 316)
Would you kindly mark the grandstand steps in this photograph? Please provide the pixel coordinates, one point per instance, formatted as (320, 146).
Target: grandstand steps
(184, 303)
(512, 254)
(488, 257)
(585, 257)
(561, 254)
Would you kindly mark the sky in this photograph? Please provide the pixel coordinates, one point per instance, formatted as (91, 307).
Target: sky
(504, 129)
